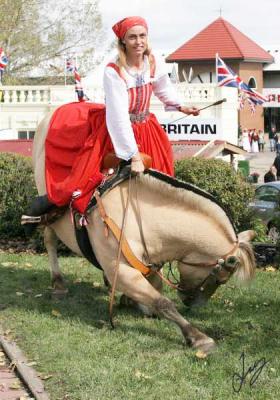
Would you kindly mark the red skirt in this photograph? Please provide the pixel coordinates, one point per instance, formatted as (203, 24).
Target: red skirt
(77, 142)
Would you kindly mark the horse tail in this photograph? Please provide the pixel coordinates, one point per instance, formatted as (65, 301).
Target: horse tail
(246, 266)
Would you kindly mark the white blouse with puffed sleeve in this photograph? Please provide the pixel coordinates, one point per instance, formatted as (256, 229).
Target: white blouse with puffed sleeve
(117, 102)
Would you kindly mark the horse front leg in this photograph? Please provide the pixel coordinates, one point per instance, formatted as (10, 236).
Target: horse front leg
(194, 337)
(50, 240)
(132, 283)
(156, 282)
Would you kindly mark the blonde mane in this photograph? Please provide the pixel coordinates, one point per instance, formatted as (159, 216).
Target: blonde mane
(190, 200)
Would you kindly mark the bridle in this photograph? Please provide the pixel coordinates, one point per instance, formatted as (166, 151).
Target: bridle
(227, 263)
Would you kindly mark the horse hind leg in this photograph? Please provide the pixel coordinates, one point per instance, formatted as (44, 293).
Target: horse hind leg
(58, 284)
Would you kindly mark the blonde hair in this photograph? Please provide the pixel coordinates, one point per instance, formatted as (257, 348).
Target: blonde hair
(121, 60)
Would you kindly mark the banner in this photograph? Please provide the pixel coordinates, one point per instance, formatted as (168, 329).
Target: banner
(193, 129)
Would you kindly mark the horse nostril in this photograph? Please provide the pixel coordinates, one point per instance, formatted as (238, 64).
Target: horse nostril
(231, 263)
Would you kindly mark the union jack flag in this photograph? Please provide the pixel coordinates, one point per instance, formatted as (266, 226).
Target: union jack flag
(3, 60)
(253, 95)
(252, 106)
(70, 64)
(227, 77)
(241, 101)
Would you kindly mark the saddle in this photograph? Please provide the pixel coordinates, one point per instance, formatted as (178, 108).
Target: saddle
(43, 212)
(111, 161)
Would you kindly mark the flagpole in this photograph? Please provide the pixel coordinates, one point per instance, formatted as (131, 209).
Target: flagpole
(216, 68)
(65, 70)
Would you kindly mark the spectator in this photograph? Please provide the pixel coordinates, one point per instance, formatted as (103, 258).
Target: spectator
(271, 136)
(277, 147)
(245, 140)
(276, 164)
(276, 140)
(270, 176)
(254, 141)
(261, 140)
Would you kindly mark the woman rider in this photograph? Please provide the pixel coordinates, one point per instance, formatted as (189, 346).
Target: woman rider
(124, 126)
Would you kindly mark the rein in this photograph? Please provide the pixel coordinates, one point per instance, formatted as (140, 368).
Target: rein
(107, 220)
(121, 239)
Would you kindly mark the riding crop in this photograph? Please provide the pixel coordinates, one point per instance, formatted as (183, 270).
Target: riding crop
(203, 108)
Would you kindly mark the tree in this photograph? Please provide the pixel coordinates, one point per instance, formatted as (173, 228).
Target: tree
(37, 33)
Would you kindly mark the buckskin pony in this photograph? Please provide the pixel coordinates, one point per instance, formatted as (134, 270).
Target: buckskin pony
(178, 221)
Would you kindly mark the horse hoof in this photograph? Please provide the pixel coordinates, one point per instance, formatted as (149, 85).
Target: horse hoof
(59, 293)
(205, 346)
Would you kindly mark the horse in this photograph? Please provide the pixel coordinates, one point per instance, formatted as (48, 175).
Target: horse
(178, 223)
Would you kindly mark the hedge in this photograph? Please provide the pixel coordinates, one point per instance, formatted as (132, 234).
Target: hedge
(17, 188)
(227, 186)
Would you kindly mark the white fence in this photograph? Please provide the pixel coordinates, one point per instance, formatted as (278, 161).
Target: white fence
(22, 107)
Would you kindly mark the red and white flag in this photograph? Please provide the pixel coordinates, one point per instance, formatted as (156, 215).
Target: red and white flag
(70, 66)
(3, 60)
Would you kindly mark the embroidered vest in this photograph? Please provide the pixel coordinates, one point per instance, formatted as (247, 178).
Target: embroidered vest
(140, 95)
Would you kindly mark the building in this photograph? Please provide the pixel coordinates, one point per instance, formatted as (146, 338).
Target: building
(271, 84)
(216, 129)
(196, 62)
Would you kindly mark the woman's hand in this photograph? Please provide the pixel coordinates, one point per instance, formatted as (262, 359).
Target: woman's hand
(137, 165)
(190, 110)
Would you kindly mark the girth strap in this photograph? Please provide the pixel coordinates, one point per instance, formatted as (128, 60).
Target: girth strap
(85, 246)
(126, 250)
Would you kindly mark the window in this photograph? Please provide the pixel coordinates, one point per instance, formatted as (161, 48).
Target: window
(22, 134)
(252, 83)
(267, 193)
(27, 134)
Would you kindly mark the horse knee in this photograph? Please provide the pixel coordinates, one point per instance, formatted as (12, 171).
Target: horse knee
(165, 307)
(126, 301)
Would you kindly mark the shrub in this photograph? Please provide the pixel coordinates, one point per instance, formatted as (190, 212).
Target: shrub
(260, 230)
(17, 188)
(218, 178)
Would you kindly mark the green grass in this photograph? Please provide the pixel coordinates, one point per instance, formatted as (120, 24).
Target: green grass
(142, 358)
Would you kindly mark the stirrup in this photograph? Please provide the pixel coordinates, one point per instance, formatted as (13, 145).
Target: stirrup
(30, 219)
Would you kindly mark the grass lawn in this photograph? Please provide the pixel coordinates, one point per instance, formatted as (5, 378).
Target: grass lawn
(73, 346)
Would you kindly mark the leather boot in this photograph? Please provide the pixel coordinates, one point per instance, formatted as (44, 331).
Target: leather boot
(39, 206)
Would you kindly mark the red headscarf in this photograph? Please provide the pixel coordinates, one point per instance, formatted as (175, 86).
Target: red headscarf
(121, 27)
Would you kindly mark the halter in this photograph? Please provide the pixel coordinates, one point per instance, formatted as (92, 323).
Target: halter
(225, 263)
(218, 262)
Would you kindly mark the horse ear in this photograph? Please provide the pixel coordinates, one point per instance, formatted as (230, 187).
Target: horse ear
(246, 236)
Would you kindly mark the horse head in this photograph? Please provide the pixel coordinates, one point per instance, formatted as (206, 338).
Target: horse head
(198, 282)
